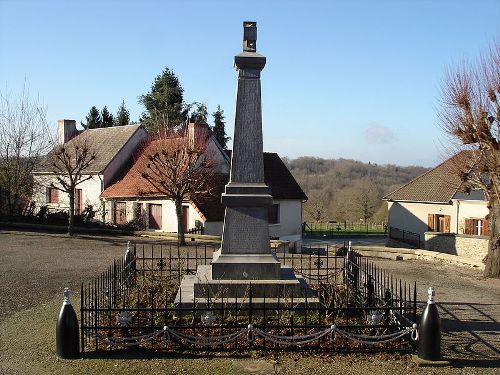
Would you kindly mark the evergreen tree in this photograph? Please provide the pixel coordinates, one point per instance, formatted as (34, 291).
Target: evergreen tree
(107, 118)
(164, 103)
(122, 116)
(200, 115)
(218, 129)
(93, 119)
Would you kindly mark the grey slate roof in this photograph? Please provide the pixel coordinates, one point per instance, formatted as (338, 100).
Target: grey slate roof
(106, 142)
(439, 185)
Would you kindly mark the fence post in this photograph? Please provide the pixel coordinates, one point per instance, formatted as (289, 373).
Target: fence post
(370, 291)
(429, 345)
(129, 265)
(67, 331)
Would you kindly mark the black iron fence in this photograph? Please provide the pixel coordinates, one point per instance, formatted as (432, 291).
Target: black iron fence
(405, 236)
(333, 228)
(352, 305)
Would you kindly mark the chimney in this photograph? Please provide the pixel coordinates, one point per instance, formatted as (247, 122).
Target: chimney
(198, 133)
(66, 129)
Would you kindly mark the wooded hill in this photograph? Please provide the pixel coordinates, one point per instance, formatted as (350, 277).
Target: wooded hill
(345, 189)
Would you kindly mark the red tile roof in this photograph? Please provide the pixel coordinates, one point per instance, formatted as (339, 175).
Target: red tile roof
(277, 177)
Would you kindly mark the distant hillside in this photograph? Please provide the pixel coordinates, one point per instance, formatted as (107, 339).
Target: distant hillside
(345, 189)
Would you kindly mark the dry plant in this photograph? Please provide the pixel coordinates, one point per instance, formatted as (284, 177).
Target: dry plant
(470, 114)
(70, 163)
(179, 168)
(24, 138)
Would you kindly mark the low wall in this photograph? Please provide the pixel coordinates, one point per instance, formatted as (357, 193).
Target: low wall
(472, 247)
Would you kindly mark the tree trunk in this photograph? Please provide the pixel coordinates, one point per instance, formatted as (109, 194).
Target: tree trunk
(180, 223)
(71, 217)
(492, 268)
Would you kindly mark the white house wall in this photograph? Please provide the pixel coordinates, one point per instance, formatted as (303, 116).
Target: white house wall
(289, 227)
(168, 214)
(91, 189)
(469, 210)
(413, 216)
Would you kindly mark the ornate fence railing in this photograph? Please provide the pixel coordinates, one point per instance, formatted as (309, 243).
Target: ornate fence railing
(341, 228)
(355, 305)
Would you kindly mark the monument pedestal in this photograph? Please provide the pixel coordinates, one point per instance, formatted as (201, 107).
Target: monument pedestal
(202, 290)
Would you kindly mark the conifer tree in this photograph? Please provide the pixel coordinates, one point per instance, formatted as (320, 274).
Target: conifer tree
(164, 103)
(93, 119)
(107, 118)
(200, 115)
(218, 129)
(122, 116)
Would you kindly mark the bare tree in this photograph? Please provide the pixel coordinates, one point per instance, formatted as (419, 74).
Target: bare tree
(70, 163)
(316, 207)
(179, 168)
(24, 137)
(365, 200)
(470, 114)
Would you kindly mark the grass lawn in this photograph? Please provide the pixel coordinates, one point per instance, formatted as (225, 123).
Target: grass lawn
(34, 269)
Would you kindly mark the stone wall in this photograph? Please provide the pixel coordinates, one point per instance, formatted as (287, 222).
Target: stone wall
(471, 247)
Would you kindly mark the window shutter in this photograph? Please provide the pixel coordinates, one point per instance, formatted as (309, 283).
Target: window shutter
(447, 220)
(486, 227)
(469, 226)
(431, 222)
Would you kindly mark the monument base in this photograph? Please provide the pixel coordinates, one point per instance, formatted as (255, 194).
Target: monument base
(245, 267)
(201, 290)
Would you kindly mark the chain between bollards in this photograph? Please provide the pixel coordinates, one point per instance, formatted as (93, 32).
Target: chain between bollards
(67, 330)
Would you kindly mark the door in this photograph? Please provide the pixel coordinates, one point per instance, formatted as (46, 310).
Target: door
(120, 213)
(78, 202)
(185, 217)
(155, 216)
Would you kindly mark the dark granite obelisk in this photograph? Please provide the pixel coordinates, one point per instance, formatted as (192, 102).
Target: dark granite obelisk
(244, 265)
(245, 252)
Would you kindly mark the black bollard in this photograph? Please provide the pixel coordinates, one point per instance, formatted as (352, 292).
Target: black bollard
(429, 345)
(67, 331)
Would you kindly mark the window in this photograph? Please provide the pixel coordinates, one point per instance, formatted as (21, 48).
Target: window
(477, 227)
(438, 223)
(155, 216)
(120, 213)
(274, 214)
(52, 195)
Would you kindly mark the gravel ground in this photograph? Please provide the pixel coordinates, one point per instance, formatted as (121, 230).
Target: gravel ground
(34, 268)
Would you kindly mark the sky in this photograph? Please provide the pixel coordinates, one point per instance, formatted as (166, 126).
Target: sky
(343, 79)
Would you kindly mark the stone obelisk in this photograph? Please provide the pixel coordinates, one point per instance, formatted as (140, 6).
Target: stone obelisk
(245, 265)
(245, 253)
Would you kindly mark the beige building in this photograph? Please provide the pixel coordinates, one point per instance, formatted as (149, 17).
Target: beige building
(438, 210)
(114, 148)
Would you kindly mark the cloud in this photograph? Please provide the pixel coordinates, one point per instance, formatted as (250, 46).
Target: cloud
(378, 134)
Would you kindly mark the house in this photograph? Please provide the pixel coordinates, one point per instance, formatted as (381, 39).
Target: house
(439, 209)
(131, 198)
(113, 146)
